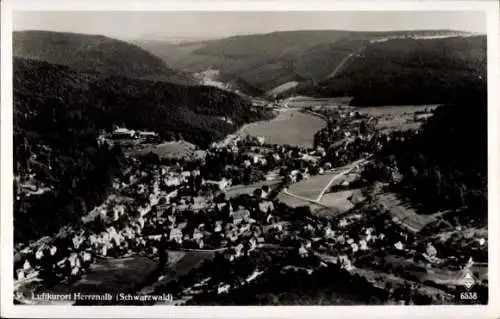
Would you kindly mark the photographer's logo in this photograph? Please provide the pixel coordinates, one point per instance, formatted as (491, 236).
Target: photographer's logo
(467, 279)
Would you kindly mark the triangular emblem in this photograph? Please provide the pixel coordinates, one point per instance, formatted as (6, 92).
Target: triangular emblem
(467, 279)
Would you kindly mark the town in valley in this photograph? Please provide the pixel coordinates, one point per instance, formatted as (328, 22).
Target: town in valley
(311, 188)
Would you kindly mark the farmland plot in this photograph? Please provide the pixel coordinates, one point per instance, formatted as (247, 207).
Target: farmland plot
(396, 118)
(297, 202)
(312, 187)
(403, 212)
(338, 200)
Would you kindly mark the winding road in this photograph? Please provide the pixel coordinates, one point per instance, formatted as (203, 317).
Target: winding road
(352, 166)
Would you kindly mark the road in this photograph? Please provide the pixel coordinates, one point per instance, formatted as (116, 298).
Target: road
(353, 165)
(344, 61)
(329, 184)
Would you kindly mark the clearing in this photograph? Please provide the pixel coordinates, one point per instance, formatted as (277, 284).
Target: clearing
(173, 150)
(396, 118)
(305, 101)
(406, 214)
(294, 202)
(339, 200)
(311, 187)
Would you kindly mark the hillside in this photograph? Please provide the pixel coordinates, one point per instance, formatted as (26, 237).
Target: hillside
(59, 113)
(169, 52)
(94, 53)
(444, 166)
(408, 71)
(41, 88)
(267, 61)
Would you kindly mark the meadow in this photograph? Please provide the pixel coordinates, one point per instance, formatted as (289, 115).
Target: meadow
(312, 187)
(395, 118)
(339, 200)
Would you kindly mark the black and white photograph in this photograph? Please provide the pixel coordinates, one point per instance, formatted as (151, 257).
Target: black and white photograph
(248, 158)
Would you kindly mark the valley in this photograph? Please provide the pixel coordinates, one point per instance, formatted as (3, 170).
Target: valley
(337, 186)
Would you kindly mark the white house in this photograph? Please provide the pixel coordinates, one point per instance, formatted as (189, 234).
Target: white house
(176, 235)
(329, 233)
(363, 245)
(354, 247)
(124, 133)
(303, 251)
(197, 234)
(399, 245)
(266, 206)
(223, 289)
(218, 226)
(27, 266)
(240, 215)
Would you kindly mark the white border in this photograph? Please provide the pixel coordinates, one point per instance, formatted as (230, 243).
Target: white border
(7, 308)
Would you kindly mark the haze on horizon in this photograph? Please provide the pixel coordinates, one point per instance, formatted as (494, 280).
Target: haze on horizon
(128, 25)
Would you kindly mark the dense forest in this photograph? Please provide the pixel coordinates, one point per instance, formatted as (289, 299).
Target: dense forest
(49, 96)
(265, 61)
(96, 54)
(59, 113)
(445, 165)
(408, 71)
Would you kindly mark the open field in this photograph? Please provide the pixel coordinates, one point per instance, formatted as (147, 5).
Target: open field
(174, 150)
(338, 200)
(395, 110)
(305, 101)
(395, 118)
(312, 187)
(289, 127)
(248, 189)
(297, 202)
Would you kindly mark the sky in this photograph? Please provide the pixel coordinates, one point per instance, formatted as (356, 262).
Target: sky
(134, 24)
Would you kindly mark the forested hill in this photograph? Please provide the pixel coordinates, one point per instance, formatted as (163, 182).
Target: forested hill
(53, 99)
(409, 71)
(445, 166)
(267, 61)
(60, 112)
(94, 53)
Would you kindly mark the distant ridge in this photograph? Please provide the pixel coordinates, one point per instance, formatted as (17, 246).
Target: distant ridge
(94, 53)
(268, 61)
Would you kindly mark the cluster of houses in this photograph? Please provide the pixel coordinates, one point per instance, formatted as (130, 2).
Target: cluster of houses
(143, 230)
(28, 186)
(122, 133)
(62, 261)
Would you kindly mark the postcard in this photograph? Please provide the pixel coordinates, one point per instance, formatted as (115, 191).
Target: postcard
(249, 159)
